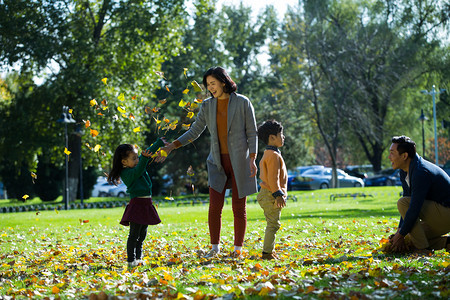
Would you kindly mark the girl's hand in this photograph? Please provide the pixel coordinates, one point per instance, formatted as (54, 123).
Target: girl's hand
(167, 149)
(146, 153)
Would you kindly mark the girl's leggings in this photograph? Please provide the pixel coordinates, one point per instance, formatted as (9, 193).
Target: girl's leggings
(136, 238)
(216, 201)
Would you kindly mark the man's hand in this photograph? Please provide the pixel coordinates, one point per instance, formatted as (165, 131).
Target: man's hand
(398, 243)
(253, 168)
(280, 202)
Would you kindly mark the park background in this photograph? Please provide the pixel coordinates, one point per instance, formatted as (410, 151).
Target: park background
(342, 76)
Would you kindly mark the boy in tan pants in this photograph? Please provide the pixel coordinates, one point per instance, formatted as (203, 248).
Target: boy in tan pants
(273, 175)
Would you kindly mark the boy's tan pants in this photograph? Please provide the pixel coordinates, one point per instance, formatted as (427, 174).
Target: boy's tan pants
(433, 222)
(272, 214)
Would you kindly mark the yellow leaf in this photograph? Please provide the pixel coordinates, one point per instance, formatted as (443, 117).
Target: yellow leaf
(169, 198)
(184, 71)
(121, 109)
(93, 102)
(163, 101)
(70, 111)
(97, 147)
(186, 126)
(55, 290)
(166, 120)
(67, 152)
(121, 97)
(25, 197)
(104, 80)
(94, 132)
(190, 115)
(182, 103)
(163, 153)
(33, 175)
(167, 88)
(56, 211)
(167, 276)
(132, 117)
(186, 91)
(87, 123)
(197, 87)
(157, 121)
(137, 129)
(445, 264)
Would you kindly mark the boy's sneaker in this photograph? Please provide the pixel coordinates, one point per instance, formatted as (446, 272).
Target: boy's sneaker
(269, 256)
(140, 262)
(132, 265)
(211, 254)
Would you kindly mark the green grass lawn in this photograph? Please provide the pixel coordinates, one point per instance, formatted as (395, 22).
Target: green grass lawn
(327, 249)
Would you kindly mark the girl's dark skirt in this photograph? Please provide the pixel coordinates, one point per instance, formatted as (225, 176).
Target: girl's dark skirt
(140, 211)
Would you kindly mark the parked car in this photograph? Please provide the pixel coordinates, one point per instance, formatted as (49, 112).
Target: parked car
(388, 177)
(360, 171)
(101, 188)
(298, 171)
(320, 178)
(118, 191)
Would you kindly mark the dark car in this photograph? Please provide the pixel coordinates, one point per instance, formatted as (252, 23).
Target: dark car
(292, 174)
(360, 171)
(388, 177)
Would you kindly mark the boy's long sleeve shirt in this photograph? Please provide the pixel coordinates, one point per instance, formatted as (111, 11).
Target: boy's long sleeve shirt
(137, 179)
(273, 172)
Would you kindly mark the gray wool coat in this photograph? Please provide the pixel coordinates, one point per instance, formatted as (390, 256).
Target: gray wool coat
(242, 140)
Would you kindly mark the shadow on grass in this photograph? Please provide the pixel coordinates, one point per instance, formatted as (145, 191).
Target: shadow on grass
(344, 213)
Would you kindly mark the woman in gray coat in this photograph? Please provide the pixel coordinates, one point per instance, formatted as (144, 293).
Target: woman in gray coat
(230, 119)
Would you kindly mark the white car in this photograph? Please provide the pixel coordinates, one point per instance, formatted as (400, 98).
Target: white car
(118, 191)
(101, 188)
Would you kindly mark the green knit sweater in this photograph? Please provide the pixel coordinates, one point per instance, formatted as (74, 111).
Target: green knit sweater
(136, 179)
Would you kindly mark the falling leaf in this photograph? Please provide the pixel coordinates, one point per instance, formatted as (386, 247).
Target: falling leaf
(185, 71)
(197, 87)
(169, 198)
(100, 114)
(137, 129)
(132, 117)
(67, 152)
(157, 121)
(87, 123)
(97, 147)
(167, 88)
(104, 80)
(186, 126)
(25, 197)
(182, 103)
(163, 153)
(190, 115)
(89, 146)
(33, 176)
(121, 109)
(156, 109)
(186, 91)
(70, 111)
(94, 132)
(160, 74)
(56, 211)
(121, 97)
(133, 97)
(104, 102)
(166, 120)
(190, 171)
(198, 100)
(163, 101)
(93, 102)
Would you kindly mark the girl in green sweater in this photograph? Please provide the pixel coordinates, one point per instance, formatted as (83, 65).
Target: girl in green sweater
(140, 212)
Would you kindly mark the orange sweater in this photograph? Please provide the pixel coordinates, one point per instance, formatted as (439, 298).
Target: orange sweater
(273, 172)
(222, 127)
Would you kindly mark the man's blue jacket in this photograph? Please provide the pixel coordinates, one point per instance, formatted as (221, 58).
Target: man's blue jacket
(428, 182)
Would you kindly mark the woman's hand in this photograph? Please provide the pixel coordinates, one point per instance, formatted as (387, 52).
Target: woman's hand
(161, 156)
(253, 168)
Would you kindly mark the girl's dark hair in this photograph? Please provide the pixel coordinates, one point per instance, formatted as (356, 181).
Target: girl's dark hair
(122, 152)
(268, 128)
(220, 74)
(405, 144)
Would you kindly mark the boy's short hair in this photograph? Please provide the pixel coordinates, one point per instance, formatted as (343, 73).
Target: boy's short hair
(267, 128)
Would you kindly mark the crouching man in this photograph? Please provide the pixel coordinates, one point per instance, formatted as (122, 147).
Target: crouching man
(425, 205)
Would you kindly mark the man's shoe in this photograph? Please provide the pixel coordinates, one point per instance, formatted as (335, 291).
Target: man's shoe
(132, 265)
(211, 254)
